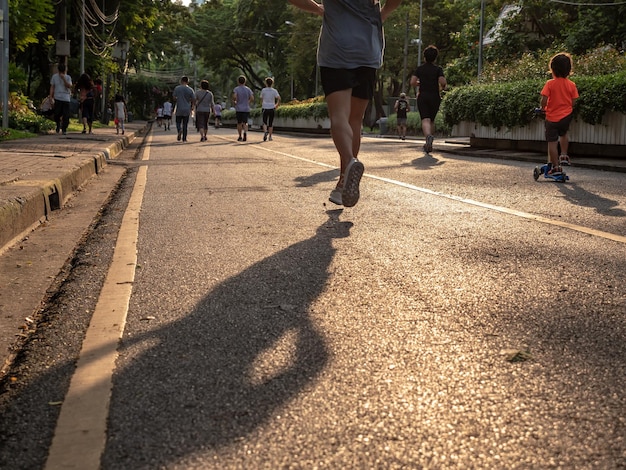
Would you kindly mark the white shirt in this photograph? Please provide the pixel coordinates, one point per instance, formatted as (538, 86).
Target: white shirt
(269, 95)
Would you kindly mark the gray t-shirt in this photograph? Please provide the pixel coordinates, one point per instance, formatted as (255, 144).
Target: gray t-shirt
(183, 94)
(351, 35)
(204, 101)
(243, 94)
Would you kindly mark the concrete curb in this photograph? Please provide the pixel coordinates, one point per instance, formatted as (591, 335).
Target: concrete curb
(37, 198)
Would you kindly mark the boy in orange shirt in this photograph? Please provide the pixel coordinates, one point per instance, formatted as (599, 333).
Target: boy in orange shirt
(557, 100)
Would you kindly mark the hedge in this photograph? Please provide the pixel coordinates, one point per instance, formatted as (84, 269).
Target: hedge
(511, 104)
(313, 108)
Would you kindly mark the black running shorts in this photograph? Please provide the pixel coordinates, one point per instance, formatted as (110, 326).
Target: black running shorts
(361, 80)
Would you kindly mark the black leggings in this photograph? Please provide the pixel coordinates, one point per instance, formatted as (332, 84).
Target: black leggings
(268, 117)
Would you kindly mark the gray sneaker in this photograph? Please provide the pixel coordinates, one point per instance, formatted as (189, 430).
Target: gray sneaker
(350, 193)
(429, 143)
(335, 197)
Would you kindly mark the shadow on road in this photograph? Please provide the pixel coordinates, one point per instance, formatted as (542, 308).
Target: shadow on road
(317, 178)
(581, 197)
(217, 374)
(425, 162)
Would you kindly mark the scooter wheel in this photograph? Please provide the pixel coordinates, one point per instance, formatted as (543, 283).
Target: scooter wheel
(536, 173)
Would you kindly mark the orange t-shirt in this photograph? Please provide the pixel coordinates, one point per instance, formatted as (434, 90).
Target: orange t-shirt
(560, 92)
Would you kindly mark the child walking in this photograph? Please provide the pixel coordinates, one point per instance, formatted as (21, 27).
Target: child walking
(557, 100)
(120, 113)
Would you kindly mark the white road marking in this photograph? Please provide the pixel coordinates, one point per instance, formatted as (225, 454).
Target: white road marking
(484, 205)
(80, 434)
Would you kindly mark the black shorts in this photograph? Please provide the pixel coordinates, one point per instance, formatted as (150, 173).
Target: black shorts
(242, 117)
(428, 106)
(556, 129)
(361, 80)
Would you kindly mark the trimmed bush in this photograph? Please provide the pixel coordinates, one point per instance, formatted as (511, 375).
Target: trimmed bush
(510, 104)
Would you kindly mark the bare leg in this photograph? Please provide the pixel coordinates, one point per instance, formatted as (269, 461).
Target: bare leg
(346, 117)
(553, 153)
(564, 141)
(428, 127)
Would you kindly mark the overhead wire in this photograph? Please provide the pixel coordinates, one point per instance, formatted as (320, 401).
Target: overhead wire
(589, 4)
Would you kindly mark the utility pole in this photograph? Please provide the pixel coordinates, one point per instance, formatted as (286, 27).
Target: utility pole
(82, 40)
(480, 41)
(406, 53)
(5, 63)
(419, 46)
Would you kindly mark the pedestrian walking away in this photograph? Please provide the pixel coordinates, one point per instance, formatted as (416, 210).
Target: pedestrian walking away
(61, 94)
(204, 108)
(86, 89)
(184, 98)
(121, 114)
(557, 100)
(430, 81)
(402, 107)
(167, 115)
(242, 99)
(270, 100)
(159, 116)
(217, 109)
(350, 50)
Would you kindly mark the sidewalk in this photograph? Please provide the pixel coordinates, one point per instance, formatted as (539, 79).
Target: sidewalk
(38, 175)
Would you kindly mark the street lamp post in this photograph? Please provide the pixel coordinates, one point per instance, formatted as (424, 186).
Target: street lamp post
(480, 40)
(419, 48)
(406, 53)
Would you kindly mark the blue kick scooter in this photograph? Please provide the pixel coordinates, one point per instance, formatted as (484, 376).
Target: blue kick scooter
(544, 170)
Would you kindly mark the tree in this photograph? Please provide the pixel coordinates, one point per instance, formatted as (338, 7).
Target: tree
(27, 19)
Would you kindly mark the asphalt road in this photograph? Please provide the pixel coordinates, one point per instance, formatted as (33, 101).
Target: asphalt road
(462, 315)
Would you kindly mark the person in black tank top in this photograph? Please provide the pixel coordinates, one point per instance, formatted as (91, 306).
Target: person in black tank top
(430, 80)
(402, 108)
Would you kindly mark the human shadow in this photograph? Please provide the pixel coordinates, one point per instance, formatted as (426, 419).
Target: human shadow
(307, 181)
(221, 371)
(426, 162)
(581, 197)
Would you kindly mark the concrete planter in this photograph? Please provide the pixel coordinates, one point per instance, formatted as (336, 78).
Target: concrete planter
(298, 123)
(606, 139)
(288, 124)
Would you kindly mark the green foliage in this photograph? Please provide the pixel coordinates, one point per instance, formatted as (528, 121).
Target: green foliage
(602, 60)
(30, 122)
(510, 104)
(12, 134)
(27, 19)
(496, 105)
(17, 78)
(414, 123)
(22, 116)
(535, 65)
(313, 108)
(143, 96)
(600, 94)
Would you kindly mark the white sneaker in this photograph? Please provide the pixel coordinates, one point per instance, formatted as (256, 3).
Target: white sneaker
(335, 197)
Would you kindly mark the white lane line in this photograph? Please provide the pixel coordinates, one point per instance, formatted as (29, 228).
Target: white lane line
(484, 205)
(80, 434)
